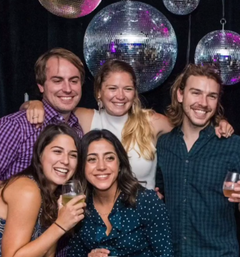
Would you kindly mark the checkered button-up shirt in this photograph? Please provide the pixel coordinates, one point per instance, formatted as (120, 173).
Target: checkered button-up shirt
(202, 219)
(17, 137)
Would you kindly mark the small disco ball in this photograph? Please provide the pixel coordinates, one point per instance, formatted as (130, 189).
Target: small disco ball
(70, 8)
(221, 48)
(136, 33)
(181, 7)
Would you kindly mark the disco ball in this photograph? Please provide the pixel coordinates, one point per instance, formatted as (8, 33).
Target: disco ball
(181, 7)
(222, 48)
(136, 33)
(70, 8)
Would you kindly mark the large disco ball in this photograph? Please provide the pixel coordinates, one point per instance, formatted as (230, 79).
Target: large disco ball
(181, 7)
(136, 33)
(222, 48)
(70, 8)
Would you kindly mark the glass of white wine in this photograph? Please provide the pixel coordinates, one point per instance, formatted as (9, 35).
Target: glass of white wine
(71, 189)
(228, 185)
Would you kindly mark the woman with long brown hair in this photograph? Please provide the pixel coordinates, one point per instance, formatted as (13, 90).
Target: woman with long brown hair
(31, 217)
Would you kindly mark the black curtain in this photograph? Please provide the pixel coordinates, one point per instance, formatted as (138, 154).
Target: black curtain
(27, 30)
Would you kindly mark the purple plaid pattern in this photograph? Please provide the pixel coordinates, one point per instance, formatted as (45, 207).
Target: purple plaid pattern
(17, 137)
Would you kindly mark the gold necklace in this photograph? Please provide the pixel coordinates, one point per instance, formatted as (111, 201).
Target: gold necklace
(114, 200)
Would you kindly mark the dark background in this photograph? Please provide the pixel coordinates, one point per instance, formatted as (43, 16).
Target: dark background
(27, 30)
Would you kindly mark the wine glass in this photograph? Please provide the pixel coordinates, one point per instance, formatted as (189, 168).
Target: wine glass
(229, 182)
(71, 189)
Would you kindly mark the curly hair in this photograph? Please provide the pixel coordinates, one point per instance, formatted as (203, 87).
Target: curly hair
(127, 182)
(174, 110)
(137, 129)
(35, 170)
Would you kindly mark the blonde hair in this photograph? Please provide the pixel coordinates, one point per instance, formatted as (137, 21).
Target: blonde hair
(137, 129)
(175, 110)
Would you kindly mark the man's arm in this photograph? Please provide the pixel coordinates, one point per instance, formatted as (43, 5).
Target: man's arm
(10, 138)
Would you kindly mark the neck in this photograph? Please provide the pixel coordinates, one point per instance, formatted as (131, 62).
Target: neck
(105, 197)
(65, 116)
(122, 117)
(191, 133)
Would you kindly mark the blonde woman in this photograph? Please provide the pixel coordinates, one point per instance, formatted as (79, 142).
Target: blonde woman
(120, 112)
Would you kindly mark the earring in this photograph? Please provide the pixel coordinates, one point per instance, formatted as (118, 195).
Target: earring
(100, 104)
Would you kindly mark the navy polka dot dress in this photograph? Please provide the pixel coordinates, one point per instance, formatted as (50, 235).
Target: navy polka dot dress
(136, 231)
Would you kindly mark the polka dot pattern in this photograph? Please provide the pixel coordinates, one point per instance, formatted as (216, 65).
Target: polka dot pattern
(140, 231)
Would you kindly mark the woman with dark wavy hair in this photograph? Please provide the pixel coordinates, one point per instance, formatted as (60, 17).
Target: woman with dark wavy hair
(122, 218)
(120, 111)
(30, 222)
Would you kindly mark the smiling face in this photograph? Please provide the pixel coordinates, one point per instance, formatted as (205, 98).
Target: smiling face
(117, 93)
(59, 160)
(62, 88)
(102, 166)
(199, 101)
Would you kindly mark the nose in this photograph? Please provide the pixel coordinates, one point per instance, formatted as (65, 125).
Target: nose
(65, 159)
(101, 165)
(66, 87)
(203, 100)
(120, 94)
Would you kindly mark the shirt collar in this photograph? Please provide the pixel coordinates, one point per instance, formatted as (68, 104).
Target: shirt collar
(207, 131)
(51, 113)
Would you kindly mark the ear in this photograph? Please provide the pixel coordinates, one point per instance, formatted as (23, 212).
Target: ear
(99, 95)
(180, 95)
(41, 88)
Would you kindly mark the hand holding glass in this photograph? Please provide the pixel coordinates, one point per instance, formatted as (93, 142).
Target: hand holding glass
(228, 185)
(71, 189)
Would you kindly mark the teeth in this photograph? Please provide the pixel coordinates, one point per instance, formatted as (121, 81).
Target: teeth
(61, 170)
(66, 98)
(102, 176)
(119, 104)
(200, 111)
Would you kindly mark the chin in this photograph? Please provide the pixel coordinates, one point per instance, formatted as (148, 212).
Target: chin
(200, 124)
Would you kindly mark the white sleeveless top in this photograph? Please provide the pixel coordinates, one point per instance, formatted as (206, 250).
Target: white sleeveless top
(145, 170)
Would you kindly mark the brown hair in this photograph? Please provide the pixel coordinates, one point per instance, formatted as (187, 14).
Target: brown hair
(137, 128)
(127, 182)
(174, 110)
(40, 65)
(35, 170)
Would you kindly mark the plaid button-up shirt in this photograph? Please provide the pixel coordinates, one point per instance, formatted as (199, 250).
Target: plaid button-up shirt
(202, 219)
(17, 137)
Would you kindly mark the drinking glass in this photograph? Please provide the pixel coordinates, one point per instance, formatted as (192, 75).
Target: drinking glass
(229, 183)
(71, 189)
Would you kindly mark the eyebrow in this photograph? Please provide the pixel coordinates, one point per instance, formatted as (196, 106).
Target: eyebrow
(63, 148)
(113, 85)
(59, 77)
(95, 154)
(199, 90)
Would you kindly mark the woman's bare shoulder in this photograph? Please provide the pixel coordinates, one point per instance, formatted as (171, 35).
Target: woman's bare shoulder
(85, 117)
(22, 189)
(160, 123)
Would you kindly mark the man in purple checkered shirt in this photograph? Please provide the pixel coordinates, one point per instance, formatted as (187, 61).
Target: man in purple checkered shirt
(59, 75)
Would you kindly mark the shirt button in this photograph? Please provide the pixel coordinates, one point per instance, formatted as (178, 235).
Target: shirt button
(187, 161)
(185, 180)
(184, 200)
(184, 238)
